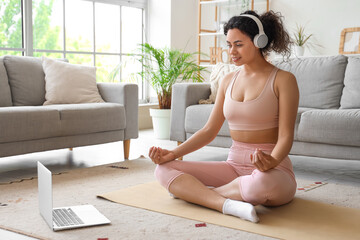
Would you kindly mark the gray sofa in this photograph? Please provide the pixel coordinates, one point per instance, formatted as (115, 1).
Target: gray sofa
(328, 120)
(27, 126)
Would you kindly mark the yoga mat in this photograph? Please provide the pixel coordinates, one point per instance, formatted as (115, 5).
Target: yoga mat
(300, 219)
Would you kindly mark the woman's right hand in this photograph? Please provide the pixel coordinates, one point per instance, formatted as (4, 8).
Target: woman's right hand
(160, 156)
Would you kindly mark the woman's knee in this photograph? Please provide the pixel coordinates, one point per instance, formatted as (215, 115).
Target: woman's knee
(161, 172)
(272, 187)
(166, 173)
(253, 187)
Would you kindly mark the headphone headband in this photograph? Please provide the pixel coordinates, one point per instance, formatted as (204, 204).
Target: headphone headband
(256, 20)
(260, 40)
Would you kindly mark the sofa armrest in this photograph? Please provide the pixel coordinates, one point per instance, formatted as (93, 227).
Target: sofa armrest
(184, 95)
(126, 94)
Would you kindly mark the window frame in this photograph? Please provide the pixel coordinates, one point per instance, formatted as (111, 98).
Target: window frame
(27, 35)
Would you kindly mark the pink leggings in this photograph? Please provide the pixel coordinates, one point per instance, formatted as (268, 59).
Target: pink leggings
(274, 187)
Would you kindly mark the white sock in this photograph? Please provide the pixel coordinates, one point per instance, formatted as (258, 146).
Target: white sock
(240, 209)
(172, 195)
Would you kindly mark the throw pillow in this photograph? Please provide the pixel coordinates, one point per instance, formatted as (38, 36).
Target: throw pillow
(26, 80)
(320, 79)
(351, 93)
(218, 72)
(5, 93)
(67, 83)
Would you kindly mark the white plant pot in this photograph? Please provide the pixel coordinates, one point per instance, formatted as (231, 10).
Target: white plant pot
(161, 122)
(299, 51)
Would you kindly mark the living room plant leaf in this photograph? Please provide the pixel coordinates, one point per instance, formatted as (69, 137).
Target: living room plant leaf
(163, 67)
(300, 37)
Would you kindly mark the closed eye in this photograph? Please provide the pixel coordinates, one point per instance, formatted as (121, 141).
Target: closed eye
(236, 45)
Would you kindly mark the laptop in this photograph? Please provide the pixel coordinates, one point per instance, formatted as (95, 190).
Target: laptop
(64, 217)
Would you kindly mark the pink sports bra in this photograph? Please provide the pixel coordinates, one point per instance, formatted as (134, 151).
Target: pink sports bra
(257, 114)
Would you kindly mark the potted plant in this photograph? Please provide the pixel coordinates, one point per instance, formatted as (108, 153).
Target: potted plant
(162, 68)
(300, 38)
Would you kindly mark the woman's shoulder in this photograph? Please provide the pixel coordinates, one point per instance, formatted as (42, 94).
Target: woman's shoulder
(285, 81)
(227, 79)
(285, 74)
(285, 77)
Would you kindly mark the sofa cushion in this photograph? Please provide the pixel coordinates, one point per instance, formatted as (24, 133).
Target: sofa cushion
(5, 94)
(351, 93)
(320, 79)
(89, 117)
(69, 83)
(28, 123)
(340, 127)
(197, 115)
(26, 79)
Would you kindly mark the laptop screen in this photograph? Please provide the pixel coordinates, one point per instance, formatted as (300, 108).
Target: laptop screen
(45, 193)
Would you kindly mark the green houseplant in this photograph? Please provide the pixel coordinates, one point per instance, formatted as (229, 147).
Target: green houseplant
(300, 39)
(163, 67)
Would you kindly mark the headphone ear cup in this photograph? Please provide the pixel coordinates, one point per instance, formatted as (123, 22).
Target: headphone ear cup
(256, 40)
(260, 40)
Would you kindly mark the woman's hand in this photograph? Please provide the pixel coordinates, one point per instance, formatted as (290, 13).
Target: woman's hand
(263, 161)
(160, 156)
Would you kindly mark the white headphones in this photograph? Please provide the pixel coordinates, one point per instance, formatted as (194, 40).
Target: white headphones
(260, 40)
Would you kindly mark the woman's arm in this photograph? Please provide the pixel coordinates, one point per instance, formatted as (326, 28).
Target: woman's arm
(288, 106)
(202, 137)
(205, 135)
(288, 94)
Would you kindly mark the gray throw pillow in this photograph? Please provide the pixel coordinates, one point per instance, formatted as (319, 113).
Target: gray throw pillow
(26, 79)
(320, 79)
(5, 94)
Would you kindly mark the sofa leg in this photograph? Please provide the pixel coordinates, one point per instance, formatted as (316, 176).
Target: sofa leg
(126, 148)
(179, 143)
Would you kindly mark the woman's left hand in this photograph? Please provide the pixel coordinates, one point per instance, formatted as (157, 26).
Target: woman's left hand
(160, 156)
(263, 161)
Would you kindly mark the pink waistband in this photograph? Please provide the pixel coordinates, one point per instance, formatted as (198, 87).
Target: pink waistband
(253, 146)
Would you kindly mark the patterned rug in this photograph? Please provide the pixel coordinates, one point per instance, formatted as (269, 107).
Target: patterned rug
(19, 206)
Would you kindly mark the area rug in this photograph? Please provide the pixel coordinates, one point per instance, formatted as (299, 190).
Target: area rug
(300, 219)
(19, 199)
(19, 206)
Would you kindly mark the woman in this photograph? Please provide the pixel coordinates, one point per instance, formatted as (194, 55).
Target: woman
(260, 104)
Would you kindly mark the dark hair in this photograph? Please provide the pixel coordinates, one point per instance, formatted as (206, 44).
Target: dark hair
(279, 39)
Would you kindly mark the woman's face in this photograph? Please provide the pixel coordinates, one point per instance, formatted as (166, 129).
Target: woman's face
(241, 48)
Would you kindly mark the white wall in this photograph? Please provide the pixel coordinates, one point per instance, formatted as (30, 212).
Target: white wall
(159, 23)
(175, 22)
(323, 18)
(184, 22)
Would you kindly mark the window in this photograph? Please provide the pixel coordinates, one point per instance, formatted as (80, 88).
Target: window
(99, 33)
(11, 31)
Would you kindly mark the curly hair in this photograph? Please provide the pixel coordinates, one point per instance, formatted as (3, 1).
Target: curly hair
(279, 40)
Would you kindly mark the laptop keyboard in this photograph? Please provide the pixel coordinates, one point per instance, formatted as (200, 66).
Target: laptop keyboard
(66, 217)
